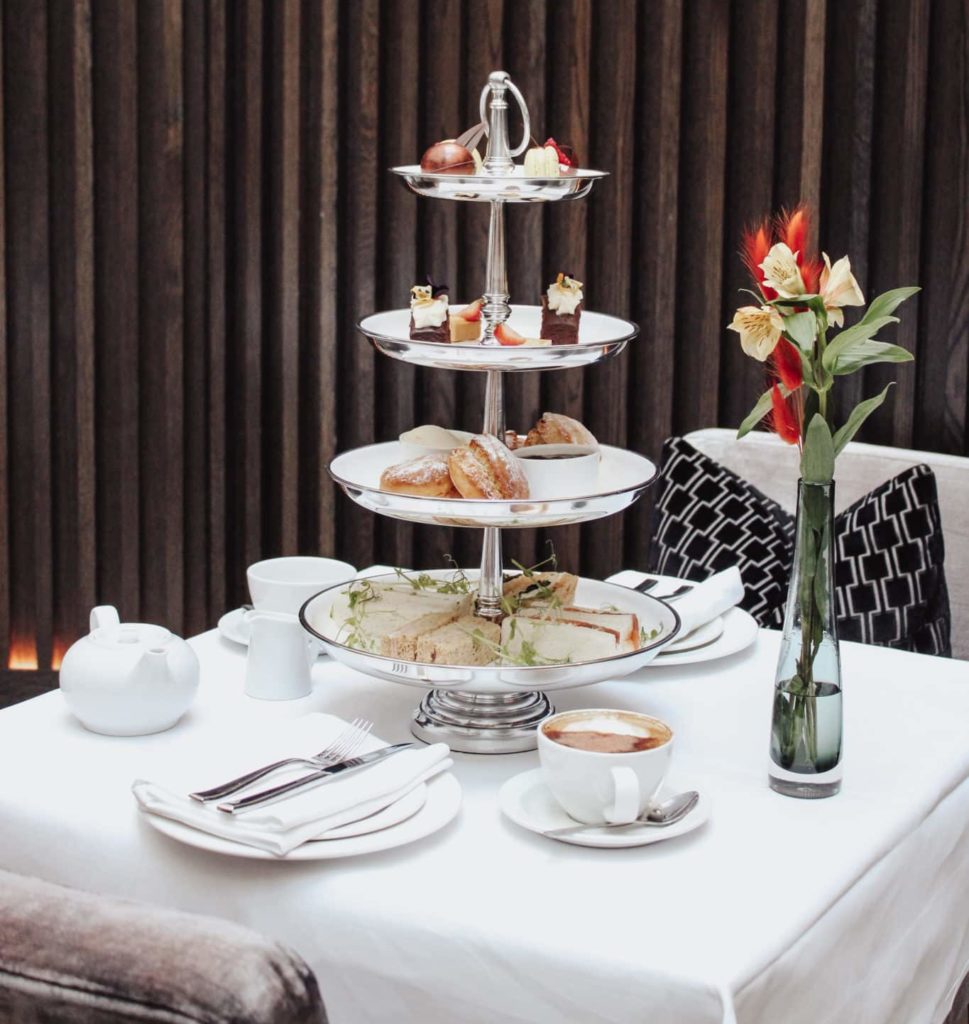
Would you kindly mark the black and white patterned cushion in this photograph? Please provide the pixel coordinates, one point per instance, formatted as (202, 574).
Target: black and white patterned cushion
(890, 583)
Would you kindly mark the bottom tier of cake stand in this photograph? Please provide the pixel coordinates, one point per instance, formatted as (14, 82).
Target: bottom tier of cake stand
(481, 723)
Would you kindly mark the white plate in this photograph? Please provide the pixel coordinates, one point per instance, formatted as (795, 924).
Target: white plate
(393, 814)
(739, 632)
(601, 336)
(623, 476)
(441, 805)
(528, 802)
(699, 637)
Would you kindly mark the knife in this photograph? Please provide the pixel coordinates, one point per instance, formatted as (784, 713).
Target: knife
(268, 796)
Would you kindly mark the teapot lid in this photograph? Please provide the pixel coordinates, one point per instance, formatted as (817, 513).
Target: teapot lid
(108, 631)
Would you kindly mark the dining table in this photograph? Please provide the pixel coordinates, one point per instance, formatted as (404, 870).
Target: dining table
(775, 911)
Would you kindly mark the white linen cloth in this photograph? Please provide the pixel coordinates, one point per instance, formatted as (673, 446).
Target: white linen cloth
(777, 910)
(714, 596)
(281, 827)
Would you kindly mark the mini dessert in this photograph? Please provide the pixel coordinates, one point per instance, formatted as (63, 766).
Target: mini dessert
(487, 470)
(555, 428)
(428, 313)
(507, 336)
(448, 157)
(465, 324)
(561, 310)
(549, 161)
(513, 440)
(426, 477)
(468, 640)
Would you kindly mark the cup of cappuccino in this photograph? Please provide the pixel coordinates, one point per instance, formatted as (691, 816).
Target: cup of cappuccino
(602, 765)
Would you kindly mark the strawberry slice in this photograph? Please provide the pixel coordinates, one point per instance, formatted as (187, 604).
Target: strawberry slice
(471, 312)
(507, 336)
(563, 158)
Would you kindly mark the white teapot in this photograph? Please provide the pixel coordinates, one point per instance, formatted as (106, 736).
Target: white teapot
(128, 679)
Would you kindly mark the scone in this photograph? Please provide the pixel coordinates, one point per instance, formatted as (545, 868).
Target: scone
(486, 469)
(554, 428)
(426, 477)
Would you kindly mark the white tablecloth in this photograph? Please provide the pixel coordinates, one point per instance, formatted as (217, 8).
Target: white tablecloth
(853, 909)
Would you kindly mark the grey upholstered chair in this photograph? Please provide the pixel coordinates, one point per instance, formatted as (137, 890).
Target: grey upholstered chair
(68, 956)
(769, 465)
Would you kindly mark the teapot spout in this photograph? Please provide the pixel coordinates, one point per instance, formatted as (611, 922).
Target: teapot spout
(151, 668)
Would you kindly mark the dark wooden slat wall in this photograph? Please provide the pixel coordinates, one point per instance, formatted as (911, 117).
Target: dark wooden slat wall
(195, 211)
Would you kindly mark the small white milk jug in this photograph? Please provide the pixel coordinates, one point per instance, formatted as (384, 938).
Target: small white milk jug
(128, 678)
(279, 659)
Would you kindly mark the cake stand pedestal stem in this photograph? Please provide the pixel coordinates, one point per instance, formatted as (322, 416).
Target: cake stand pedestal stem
(496, 295)
(488, 604)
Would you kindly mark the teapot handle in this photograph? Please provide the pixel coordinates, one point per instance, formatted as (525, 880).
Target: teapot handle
(105, 615)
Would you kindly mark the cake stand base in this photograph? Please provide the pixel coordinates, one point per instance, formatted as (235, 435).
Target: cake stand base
(480, 723)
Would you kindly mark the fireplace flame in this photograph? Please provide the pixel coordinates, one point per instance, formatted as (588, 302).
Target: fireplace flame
(23, 654)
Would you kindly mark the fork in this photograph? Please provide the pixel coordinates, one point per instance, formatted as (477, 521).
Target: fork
(648, 584)
(346, 743)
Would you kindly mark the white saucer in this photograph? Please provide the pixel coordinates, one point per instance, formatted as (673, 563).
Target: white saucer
(528, 802)
(442, 803)
(233, 626)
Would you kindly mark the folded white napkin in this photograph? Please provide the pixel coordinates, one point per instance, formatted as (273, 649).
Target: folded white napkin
(307, 814)
(703, 603)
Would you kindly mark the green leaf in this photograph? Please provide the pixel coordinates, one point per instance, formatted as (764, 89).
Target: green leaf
(851, 338)
(817, 459)
(887, 303)
(869, 352)
(759, 411)
(803, 328)
(798, 300)
(859, 414)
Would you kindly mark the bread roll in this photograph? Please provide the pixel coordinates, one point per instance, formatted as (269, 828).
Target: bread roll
(486, 469)
(554, 428)
(426, 477)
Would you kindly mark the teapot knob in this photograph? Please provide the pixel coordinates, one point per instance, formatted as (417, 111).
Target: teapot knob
(105, 615)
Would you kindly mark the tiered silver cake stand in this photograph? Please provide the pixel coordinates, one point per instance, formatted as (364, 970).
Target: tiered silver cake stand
(495, 709)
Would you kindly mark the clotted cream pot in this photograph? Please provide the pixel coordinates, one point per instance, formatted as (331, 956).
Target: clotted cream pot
(128, 678)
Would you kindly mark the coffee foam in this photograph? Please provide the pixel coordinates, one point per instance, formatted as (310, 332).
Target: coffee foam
(620, 724)
(604, 723)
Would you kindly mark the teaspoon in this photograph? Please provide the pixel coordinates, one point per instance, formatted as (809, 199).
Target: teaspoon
(669, 812)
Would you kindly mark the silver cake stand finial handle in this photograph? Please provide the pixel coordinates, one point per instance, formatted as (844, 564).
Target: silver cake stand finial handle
(498, 157)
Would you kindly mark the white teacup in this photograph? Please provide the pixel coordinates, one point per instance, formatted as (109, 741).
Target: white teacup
(611, 784)
(285, 584)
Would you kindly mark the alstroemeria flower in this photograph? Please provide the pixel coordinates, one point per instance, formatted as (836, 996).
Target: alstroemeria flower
(782, 273)
(839, 288)
(759, 329)
(783, 419)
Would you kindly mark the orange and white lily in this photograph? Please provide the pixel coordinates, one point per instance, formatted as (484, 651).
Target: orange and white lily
(759, 328)
(838, 288)
(782, 271)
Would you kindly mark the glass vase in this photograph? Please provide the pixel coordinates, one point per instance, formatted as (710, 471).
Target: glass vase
(806, 727)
